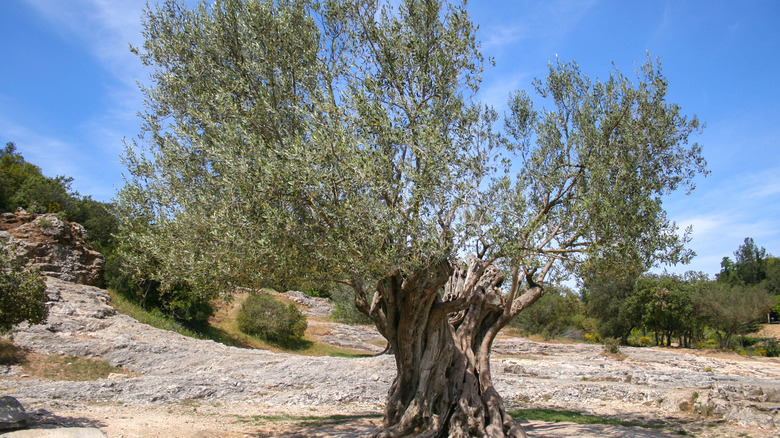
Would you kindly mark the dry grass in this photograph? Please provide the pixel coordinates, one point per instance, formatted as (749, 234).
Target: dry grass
(769, 331)
(56, 366)
(10, 353)
(70, 368)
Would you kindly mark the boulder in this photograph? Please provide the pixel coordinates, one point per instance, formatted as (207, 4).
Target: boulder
(57, 248)
(12, 414)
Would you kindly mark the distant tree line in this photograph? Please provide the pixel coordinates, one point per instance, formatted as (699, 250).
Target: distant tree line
(663, 309)
(23, 185)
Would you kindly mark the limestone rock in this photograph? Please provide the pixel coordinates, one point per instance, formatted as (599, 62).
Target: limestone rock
(12, 414)
(57, 248)
(62, 432)
(312, 306)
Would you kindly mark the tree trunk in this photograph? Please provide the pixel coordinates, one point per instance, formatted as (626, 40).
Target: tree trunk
(442, 347)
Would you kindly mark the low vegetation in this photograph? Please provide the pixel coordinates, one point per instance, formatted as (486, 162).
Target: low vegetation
(264, 316)
(22, 293)
(56, 366)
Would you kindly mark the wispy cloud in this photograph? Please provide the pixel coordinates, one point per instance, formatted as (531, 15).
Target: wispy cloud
(723, 214)
(105, 29)
(541, 22)
(528, 31)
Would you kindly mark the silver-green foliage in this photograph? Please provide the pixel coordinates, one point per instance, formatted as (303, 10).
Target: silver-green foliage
(344, 140)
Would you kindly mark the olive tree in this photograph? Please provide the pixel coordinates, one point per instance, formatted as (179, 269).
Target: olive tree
(344, 140)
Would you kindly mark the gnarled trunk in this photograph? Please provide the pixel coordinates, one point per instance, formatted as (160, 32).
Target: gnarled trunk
(442, 347)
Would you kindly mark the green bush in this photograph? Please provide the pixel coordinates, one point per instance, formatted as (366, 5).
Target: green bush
(264, 316)
(772, 348)
(186, 304)
(22, 294)
(611, 346)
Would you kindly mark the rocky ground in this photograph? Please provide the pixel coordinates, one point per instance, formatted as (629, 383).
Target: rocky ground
(181, 387)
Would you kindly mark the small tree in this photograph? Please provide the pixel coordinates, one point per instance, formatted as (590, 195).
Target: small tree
(607, 291)
(343, 139)
(557, 312)
(664, 304)
(22, 294)
(728, 309)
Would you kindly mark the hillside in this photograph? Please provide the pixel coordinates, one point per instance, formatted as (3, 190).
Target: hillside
(178, 386)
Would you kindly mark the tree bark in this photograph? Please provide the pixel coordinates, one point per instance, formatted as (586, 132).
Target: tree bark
(440, 322)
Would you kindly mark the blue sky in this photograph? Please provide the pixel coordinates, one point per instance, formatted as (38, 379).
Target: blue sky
(69, 94)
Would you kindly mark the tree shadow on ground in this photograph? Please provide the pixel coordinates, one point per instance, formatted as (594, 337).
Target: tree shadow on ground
(342, 426)
(11, 354)
(555, 430)
(357, 426)
(43, 419)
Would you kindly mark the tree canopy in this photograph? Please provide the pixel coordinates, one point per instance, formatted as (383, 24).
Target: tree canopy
(345, 140)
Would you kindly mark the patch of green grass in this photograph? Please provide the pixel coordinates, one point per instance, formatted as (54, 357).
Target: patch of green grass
(554, 416)
(149, 317)
(156, 319)
(350, 355)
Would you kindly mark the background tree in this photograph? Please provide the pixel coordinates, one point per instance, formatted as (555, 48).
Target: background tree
(343, 140)
(606, 292)
(39, 194)
(14, 171)
(22, 294)
(664, 305)
(559, 312)
(749, 267)
(23, 185)
(731, 309)
(752, 267)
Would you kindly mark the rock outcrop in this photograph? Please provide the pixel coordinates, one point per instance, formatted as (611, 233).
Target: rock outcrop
(12, 414)
(57, 248)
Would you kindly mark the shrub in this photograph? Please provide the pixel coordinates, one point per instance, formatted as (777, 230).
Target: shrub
(22, 294)
(611, 346)
(264, 316)
(772, 348)
(590, 337)
(185, 303)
